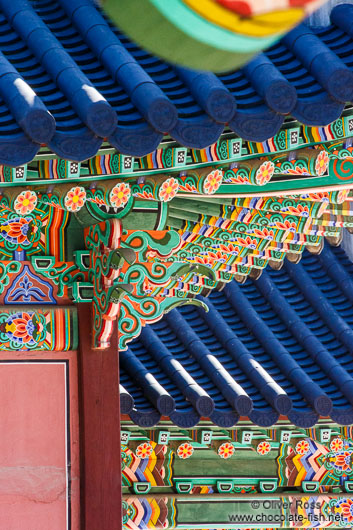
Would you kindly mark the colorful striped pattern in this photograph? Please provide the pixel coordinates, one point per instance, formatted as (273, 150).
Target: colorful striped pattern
(51, 169)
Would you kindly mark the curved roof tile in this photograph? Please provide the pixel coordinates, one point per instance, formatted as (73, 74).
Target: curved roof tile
(70, 79)
(279, 345)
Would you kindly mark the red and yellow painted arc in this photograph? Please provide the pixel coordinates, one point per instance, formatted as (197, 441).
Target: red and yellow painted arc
(252, 7)
(257, 26)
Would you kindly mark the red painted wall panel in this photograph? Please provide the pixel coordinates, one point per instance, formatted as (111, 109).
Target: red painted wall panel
(39, 473)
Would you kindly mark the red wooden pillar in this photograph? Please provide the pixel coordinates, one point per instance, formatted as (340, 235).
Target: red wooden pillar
(101, 503)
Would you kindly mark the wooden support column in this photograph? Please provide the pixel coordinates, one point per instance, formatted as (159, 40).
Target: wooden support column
(101, 503)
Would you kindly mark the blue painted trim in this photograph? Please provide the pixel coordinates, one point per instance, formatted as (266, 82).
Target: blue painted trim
(197, 133)
(224, 419)
(319, 111)
(145, 419)
(286, 336)
(126, 401)
(322, 63)
(135, 141)
(85, 73)
(17, 150)
(89, 104)
(157, 395)
(256, 125)
(231, 390)
(143, 91)
(268, 81)
(305, 419)
(276, 396)
(336, 272)
(26, 107)
(344, 417)
(264, 418)
(185, 420)
(210, 93)
(197, 396)
(323, 308)
(321, 403)
(342, 16)
(272, 392)
(75, 146)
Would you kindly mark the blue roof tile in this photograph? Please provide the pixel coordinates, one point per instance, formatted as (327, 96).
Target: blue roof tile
(278, 345)
(70, 79)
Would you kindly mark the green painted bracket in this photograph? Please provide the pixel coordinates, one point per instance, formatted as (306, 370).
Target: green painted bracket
(224, 486)
(120, 255)
(268, 486)
(118, 293)
(82, 291)
(183, 486)
(197, 268)
(43, 263)
(141, 487)
(348, 486)
(82, 259)
(310, 486)
(187, 301)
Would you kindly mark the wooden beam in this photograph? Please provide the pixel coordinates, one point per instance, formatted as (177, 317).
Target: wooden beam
(101, 504)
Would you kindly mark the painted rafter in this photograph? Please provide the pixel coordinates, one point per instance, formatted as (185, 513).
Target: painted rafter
(204, 240)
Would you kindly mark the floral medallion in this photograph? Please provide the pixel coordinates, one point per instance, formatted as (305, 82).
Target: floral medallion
(336, 445)
(226, 450)
(168, 189)
(264, 173)
(75, 199)
(212, 182)
(144, 450)
(302, 447)
(185, 450)
(25, 202)
(120, 195)
(321, 163)
(263, 448)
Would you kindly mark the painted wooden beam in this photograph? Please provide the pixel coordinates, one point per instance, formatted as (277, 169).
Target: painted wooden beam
(100, 430)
